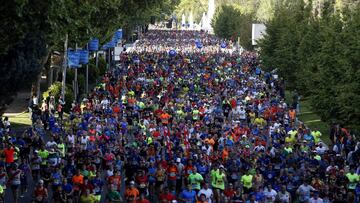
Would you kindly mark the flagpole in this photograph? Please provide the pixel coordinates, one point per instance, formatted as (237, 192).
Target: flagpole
(75, 79)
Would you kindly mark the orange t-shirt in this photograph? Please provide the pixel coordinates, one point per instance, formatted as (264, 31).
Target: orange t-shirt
(172, 171)
(292, 114)
(78, 179)
(132, 192)
(225, 154)
(116, 109)
(165, 118)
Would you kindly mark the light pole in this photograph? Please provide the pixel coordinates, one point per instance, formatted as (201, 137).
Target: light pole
(64, 68)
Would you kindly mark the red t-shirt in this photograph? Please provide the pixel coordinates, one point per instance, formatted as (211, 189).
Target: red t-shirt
(168, 197)
(172, 172)
(85, 187)
(229, 193)
(141, 180)
(9, 155)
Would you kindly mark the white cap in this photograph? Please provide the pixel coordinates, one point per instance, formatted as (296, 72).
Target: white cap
(178, 160)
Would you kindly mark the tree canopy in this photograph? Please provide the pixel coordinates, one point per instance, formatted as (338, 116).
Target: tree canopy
(31, 29)
(230, 23)
(318, 56)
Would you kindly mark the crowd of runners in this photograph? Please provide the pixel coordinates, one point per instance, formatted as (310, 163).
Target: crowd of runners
(179, 122)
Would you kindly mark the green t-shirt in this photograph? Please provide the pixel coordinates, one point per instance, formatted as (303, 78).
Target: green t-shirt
(219, 181)
(195, 113)
(180, 113)
(247, 181)
(316, 135)
(61, 147)
(288, 150)
(44, 155)
(141, 105)
(113, 196)
(88, 199)
(195, 180)
(85, 173)
(213, 174)
(353, 180)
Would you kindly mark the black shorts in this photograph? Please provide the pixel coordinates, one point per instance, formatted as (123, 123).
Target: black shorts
(218, 189)
(159, 183)
(14, 187)
(247, 190)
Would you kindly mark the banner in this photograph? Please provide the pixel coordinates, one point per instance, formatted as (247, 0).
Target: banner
(93, 45)
(84, 56)
(73, 58)
(111, 44)
(119, 34)
(105, 47)
(258, 32)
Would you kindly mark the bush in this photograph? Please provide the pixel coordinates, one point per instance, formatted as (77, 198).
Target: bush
(55, 90)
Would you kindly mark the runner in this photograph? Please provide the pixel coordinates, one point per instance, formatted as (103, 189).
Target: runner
(175, 122)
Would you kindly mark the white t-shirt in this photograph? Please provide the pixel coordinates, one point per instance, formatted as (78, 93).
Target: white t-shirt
(242, 113)
(50, 144)
(207, 192)
(320, 150)
(105, 103)
(304, 192)
(35, 100)
(71, 139)
(270, 195)
(318, 200)
(284, 197)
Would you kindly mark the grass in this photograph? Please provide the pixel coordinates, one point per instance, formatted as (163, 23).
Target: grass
(310, 118)
(20, 121)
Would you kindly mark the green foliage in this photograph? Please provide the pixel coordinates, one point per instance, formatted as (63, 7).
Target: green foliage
(230, 23)
(196, 7)
(21, 64)
(32, 29)
(319, 57)
(55, 90)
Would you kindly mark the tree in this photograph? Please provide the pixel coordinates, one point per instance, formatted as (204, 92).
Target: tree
(319, 56)
(32, 29)
(230, 23)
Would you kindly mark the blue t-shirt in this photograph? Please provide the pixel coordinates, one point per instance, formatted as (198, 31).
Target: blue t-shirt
(189, 196)
(67, 188)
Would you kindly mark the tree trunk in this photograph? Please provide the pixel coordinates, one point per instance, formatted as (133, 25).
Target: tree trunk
(50, 76)
(57, 71)
(35, 87)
